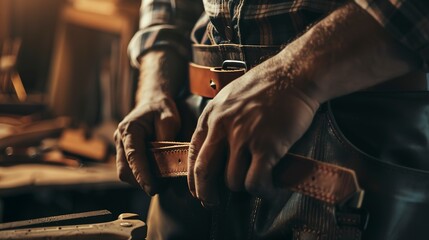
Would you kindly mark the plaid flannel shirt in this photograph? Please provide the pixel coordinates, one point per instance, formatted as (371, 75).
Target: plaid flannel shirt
(178, 23)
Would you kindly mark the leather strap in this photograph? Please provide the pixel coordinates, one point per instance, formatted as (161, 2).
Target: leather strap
(207, 79)
(323, 181)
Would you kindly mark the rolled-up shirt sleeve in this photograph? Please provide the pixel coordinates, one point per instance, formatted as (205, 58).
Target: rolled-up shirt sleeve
(406, 20)
(164, 23)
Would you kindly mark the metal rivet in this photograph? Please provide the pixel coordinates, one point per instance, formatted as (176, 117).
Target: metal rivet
(126, 224)
(212, 84)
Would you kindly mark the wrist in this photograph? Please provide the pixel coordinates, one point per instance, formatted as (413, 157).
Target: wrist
(145, 96)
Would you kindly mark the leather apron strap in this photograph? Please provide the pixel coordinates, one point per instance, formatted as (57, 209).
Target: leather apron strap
(323, 181)
(206, 77)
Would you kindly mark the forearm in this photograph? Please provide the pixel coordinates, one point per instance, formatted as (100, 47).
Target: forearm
(160, 49)
(345, 52)
(162, 72)
(155, 117)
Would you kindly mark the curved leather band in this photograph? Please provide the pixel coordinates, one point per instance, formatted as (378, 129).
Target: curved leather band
(323, 181)
(207, 79)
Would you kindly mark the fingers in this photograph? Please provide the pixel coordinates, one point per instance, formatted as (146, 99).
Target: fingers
(239, 159)
(248, 168)
(245, 170)
(206, 158)
(158, 118)
(196, 143)
(208, 169)
(123, 170)
(133, 140)
(237, 167)
(259, 178)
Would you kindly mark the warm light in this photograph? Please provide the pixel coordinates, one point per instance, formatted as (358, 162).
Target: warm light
(96, 6)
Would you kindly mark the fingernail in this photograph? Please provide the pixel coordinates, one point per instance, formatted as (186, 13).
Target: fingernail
(209, 205)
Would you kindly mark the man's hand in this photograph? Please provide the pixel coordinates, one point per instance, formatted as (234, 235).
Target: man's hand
(244, 131)
(155, 117)
(151, 119)
(256, 119)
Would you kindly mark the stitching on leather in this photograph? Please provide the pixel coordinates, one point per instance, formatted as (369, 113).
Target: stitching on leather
(174, 173)
(255, 208)
(170, 151)
(328, 170)
(315, 192)
(348, 220)
(306, 229)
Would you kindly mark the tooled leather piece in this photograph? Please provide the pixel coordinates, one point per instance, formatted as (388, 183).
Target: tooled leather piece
(170, 158)
(323, 181)
(208, 81)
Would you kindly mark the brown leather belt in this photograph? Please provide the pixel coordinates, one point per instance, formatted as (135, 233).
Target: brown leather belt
(207, 78)
(323, 181)
(208, 81)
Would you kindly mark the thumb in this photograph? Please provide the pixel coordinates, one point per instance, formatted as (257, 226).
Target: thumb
(167, 125)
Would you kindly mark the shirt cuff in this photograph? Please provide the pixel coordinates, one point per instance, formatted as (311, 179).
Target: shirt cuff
(406, 20)
(155, 37)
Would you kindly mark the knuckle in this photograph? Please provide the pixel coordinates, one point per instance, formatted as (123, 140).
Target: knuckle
(117, 136)
(215, 121)
(192, 152)
(128, 126)
(138, 176)
(122, 125)
(130, 154)
(200, 131)
(200, 172)
(168, 113)
(210, 106)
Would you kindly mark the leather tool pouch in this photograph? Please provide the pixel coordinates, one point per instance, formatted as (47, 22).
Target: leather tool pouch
(383, 136)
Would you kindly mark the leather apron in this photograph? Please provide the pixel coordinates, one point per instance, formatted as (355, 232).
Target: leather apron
(382, 135)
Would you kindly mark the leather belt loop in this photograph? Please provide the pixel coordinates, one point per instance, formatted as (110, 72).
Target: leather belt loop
(208, 81)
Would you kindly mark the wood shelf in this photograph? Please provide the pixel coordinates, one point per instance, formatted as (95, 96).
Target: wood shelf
(79, 35)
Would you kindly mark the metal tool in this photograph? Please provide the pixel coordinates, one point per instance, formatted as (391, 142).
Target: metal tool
(127, 226)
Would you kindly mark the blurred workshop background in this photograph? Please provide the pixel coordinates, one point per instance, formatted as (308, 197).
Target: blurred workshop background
(65, 81)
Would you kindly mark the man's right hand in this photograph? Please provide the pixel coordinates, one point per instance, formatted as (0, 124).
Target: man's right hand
(155, 117)
(148, 121)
